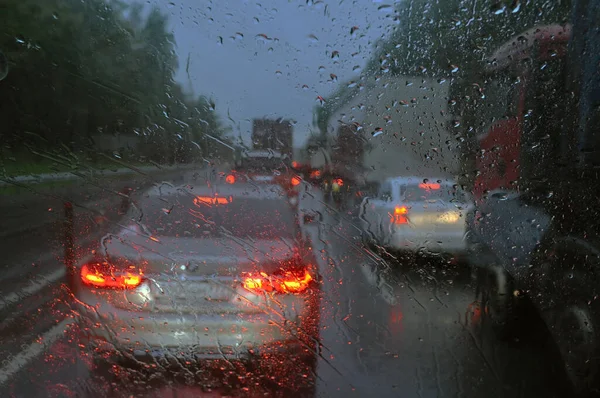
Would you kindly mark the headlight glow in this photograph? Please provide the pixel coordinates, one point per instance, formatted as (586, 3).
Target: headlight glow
(449, 217)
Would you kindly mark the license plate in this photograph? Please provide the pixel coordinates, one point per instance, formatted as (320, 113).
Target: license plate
(191, 291)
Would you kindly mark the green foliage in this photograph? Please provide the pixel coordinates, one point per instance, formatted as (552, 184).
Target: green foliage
(81, 70)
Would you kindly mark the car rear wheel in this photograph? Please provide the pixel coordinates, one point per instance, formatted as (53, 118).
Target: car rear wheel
(573, 318)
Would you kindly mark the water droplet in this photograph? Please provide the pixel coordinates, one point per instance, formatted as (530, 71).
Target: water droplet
(356, 68)
(353, 30)
(453, 68)
(304, 87)
(278, 73)
(313, 38)
(220, 40)
(262, 37)
(239, 35)
(498, 8)
(515, 7)
(321, 68)
(19, 39)
(256, 21)
(335, 55)
(54, 15)
(117, 155)
(384, 8)
(351, 84)
(320, 99)
(3, 66)
(270, 50)
(378, 131)
(333, 77)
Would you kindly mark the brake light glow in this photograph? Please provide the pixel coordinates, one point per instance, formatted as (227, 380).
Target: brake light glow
(296, 285)
(209, 200)
(94, 275)
(230, 179)
(399, 216)
(253, 283)
(429, 186)
(400, 210)
(288, 283)
(295, 164)
(315, 174)
(296, 181)
(339, 182)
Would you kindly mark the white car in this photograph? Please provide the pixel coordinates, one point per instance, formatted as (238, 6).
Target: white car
(413, 214)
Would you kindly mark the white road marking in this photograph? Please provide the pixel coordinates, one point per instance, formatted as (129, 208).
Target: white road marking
(19, 361)
(33, 287)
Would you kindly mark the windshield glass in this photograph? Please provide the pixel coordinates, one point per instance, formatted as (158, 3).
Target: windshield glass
(264, 164)
(432, 191)
(300, 198)
(207, 216)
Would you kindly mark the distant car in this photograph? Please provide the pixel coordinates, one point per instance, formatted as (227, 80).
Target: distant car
(412, 214)
(262, 161)
(201, 273)
(268, 167)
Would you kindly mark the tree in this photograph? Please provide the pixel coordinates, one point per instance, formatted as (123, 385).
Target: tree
(80, 71)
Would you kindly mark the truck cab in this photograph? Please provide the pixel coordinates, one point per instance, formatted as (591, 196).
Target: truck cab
(537, 187)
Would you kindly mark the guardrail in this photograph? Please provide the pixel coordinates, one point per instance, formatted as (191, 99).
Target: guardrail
(75, 175)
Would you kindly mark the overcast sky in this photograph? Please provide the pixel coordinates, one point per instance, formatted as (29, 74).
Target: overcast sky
(251, 76)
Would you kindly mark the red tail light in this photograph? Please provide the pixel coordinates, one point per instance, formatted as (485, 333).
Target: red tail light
(429, 186)
(296, 181)
(339, 182)
(315, 174)
(289, 282)
(212, 200)
(230, 179)
(101, 275)
(400, 210)
(399, 216)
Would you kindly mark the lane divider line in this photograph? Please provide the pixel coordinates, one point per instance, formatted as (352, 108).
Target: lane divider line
(19, 361)
(33, 287)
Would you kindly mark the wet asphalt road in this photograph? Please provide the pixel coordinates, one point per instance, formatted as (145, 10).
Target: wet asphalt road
(388, 329)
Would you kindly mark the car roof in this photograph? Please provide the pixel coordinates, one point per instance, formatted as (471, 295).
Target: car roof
(414, 180)
(263, 153)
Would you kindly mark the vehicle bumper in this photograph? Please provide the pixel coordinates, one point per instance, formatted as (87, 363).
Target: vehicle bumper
(198, 336)
(447, 242)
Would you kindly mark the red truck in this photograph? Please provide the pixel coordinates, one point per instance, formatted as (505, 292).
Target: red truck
(537, 189)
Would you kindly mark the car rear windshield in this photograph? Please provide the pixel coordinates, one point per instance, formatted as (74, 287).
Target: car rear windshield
(207, 217)
(432, 192)
(262, 164)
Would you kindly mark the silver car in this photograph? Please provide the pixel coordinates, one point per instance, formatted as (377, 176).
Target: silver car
(413, 214)
(199, 273)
